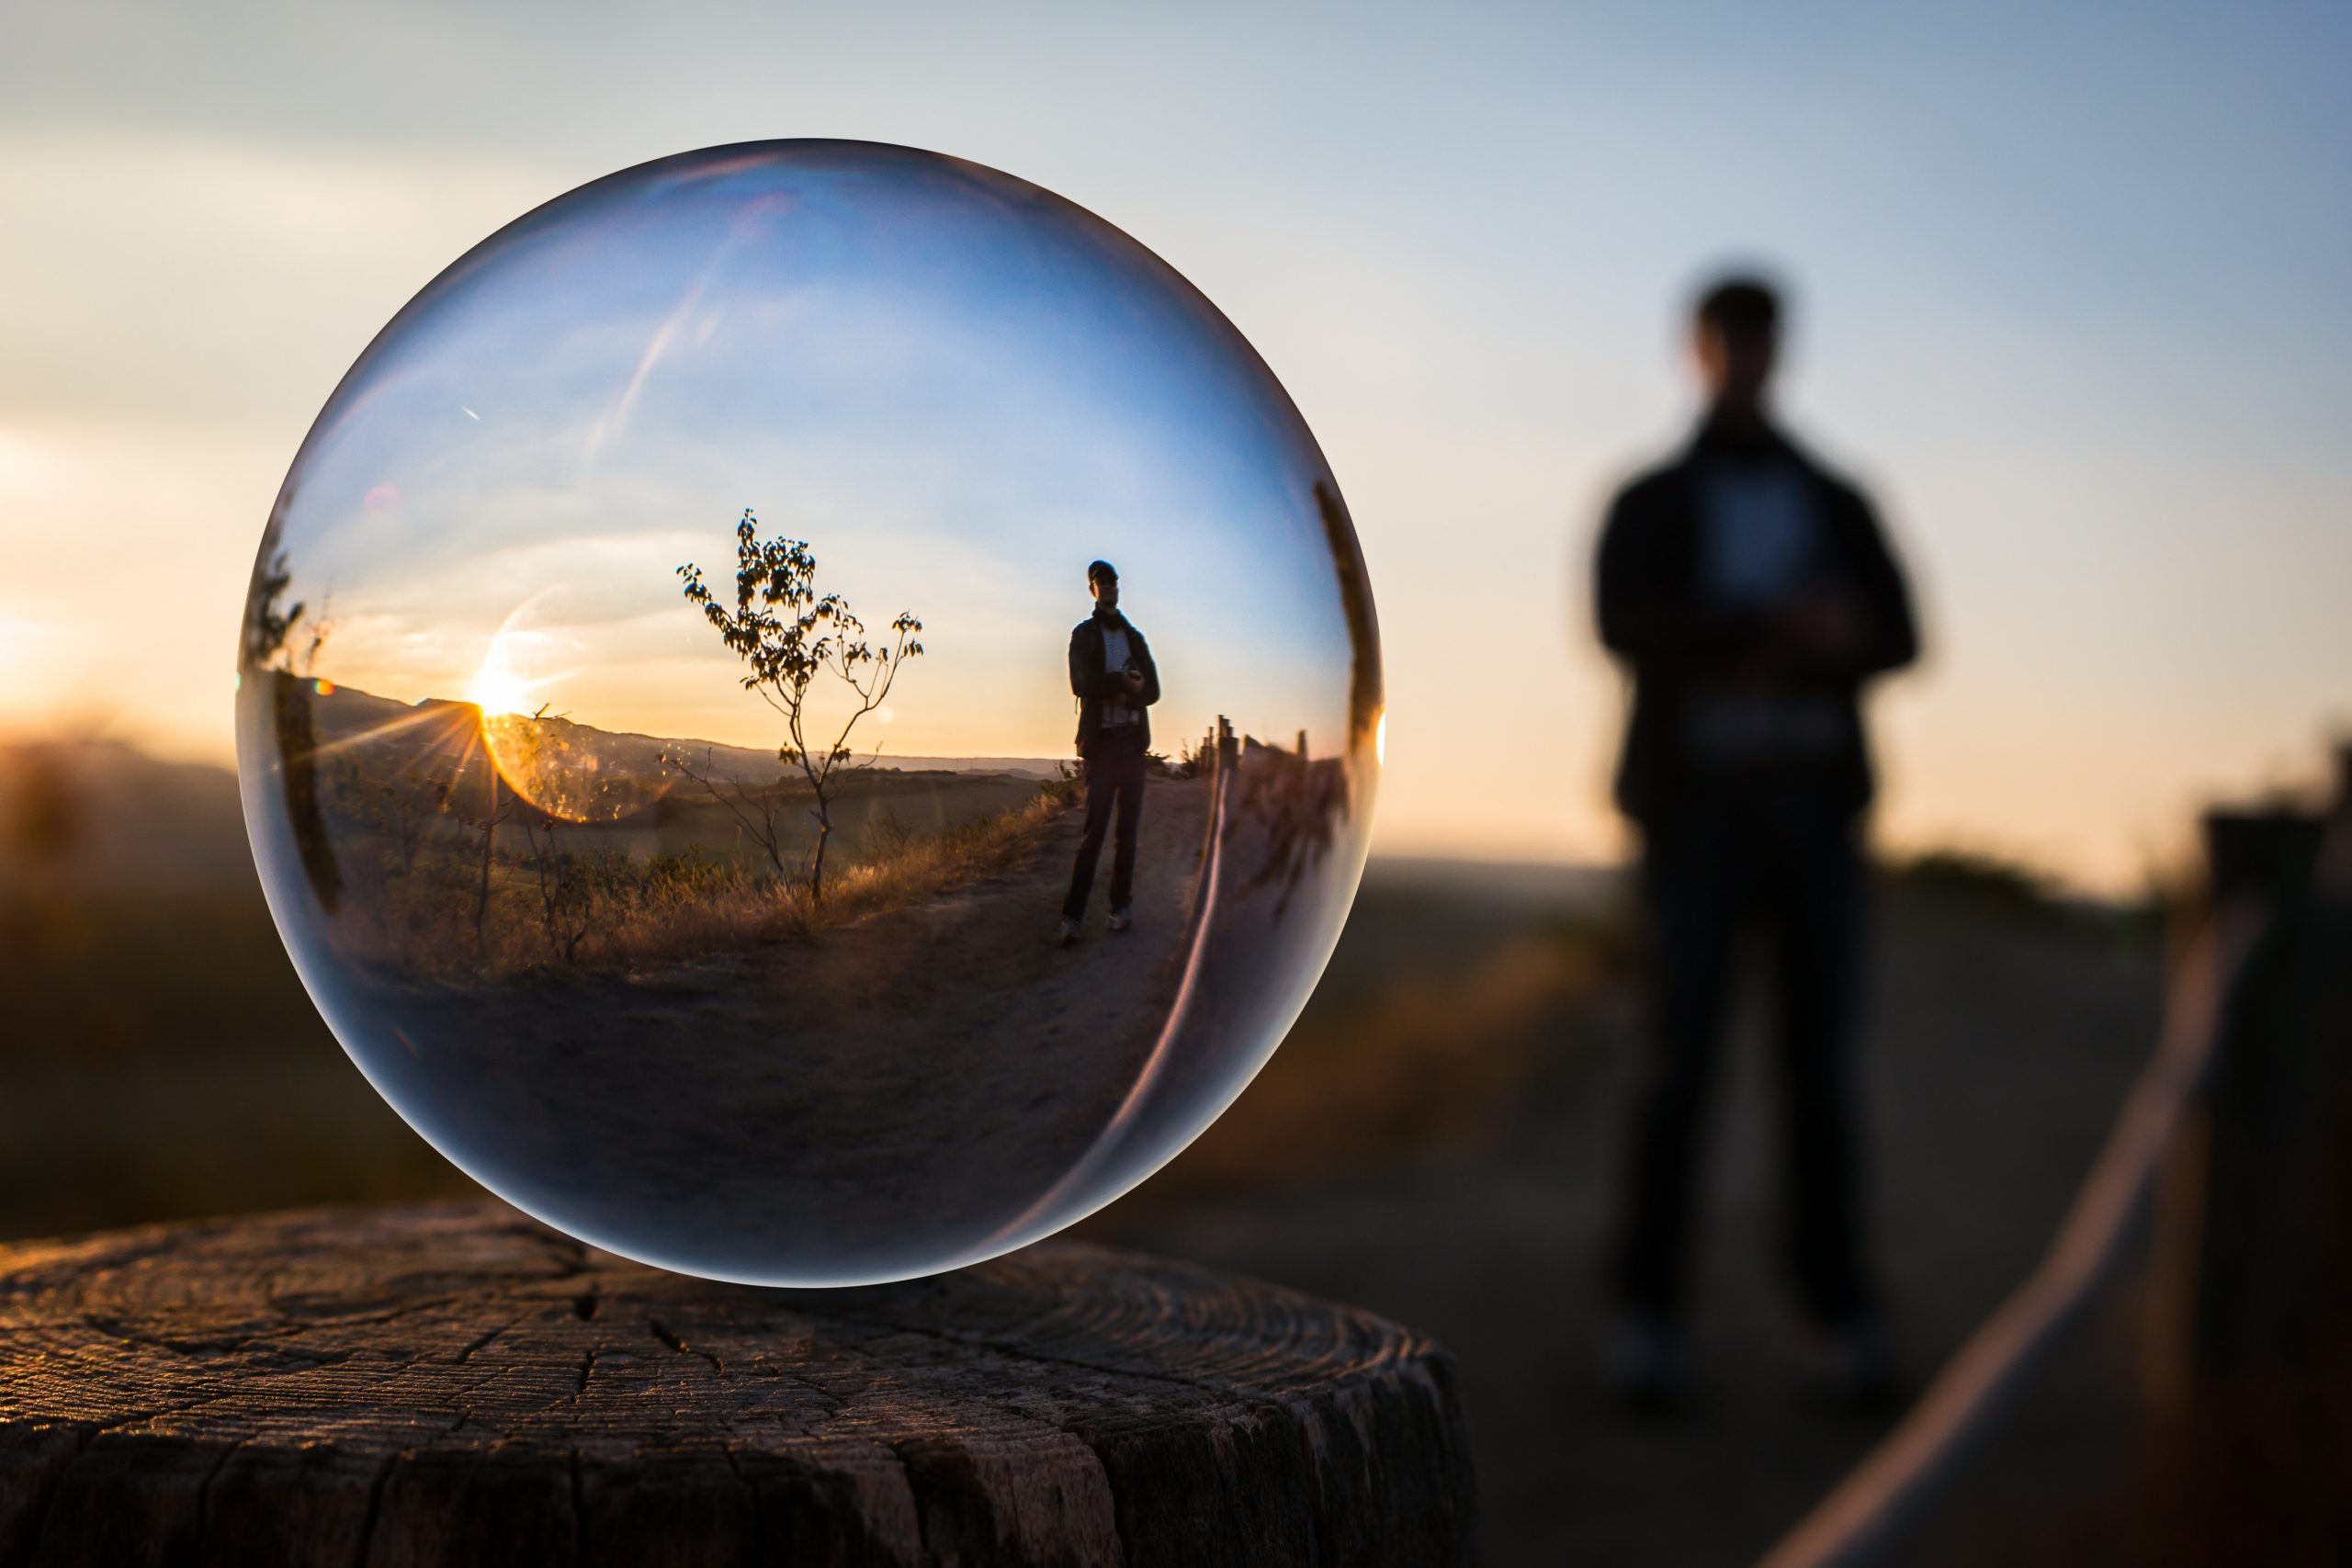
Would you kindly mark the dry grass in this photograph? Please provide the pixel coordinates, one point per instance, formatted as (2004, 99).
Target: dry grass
(1429, 1061)
(913, 870)
(549, 908)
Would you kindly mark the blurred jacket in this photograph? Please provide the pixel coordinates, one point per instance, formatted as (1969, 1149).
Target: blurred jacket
(1682, 643)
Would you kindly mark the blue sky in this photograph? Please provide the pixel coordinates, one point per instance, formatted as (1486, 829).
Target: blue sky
(2072, 296)
(958, 390)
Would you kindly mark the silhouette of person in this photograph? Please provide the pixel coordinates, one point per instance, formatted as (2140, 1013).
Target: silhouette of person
(1116, 682)
(1750, 595)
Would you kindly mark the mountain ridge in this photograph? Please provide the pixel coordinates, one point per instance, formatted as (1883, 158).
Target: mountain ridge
(343, 712)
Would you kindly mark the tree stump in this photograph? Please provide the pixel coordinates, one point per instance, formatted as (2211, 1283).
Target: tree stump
(455, 1384)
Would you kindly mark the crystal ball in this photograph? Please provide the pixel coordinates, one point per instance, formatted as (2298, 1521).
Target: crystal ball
(808, 713)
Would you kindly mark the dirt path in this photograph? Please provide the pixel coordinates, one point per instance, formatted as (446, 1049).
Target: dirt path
(924, 1073)
(1996, 1053)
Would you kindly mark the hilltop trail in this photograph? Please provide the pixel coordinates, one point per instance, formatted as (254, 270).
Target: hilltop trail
(927, 1070)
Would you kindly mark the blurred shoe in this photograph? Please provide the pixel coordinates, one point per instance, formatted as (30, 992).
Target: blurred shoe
(1851, 1371)
(1649, 1367)
(1068, 933)
(1118, 920)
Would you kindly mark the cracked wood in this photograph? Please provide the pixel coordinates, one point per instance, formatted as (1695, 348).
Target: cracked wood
(454, 1383)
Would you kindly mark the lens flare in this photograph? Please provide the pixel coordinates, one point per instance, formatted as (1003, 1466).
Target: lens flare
(555, 765)
(497, 689)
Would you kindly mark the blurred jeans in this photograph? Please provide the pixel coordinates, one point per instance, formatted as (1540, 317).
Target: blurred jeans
(1779, 864)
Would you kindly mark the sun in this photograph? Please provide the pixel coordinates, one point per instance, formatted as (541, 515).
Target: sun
(497, 688)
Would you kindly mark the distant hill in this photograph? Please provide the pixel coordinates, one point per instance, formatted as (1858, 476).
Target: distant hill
(346, 712)
(108, 816)
(125, 820)
(1522, 887)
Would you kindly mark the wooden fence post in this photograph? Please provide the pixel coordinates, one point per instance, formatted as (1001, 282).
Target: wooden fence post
(2248, 1364)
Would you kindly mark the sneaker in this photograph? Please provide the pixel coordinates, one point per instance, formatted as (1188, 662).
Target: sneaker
(1851, 1370)
(1649, 1367)
(1068, 934)
(1118, 920)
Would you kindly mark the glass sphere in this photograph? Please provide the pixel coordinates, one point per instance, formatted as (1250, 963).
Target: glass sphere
(673, 766)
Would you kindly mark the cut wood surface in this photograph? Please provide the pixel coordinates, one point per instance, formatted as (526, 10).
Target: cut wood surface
(455, 1384)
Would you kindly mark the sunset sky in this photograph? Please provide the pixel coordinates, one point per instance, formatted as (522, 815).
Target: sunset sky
(2073, 296)
(956, 390)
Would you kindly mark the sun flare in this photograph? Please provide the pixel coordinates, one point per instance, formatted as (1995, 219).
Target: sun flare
(497, 687)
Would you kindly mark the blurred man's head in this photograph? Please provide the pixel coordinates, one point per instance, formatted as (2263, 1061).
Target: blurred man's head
(1104, 577)
(1736, 331)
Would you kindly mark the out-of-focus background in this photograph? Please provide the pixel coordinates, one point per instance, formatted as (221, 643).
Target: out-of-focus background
(2070, 293)
(1437, 1140)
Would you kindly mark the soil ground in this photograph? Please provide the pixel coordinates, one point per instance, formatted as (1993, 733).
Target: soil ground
(1997, 1049)
(664, 1113)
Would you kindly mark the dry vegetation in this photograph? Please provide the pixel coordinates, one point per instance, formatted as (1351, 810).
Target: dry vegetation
(1433, 1060)
(433, 887)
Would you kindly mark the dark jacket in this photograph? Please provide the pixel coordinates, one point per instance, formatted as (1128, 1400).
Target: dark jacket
(1654, 615)
(1090, 682)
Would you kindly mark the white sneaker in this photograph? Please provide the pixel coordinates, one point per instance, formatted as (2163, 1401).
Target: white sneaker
(1068, 933)
(1118, 920)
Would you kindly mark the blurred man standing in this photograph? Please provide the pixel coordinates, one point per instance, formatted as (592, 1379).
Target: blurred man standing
(1750, 595)
(1114, 680)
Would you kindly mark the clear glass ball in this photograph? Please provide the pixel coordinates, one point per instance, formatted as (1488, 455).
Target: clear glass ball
(663, 691)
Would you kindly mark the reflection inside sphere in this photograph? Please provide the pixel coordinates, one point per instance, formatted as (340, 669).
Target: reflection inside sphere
(807, 712)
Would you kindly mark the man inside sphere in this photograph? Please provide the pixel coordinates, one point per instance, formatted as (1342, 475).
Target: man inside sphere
(1112, 675)
(1750, 594)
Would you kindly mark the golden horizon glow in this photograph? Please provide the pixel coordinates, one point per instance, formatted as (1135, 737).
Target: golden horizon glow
(497, 688)
(543, 763)
(2123, 540)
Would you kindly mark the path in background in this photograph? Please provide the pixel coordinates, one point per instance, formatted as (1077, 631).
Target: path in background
(1999, 1044)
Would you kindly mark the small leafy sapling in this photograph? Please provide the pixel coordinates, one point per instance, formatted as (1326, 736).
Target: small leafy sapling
(788, 635)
